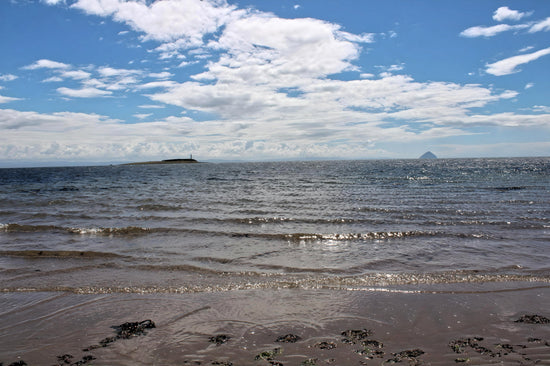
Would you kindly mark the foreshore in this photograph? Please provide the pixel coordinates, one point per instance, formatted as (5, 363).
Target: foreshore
(474, 324)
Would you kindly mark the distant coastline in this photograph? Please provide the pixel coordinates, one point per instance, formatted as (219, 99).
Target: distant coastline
(167, 161)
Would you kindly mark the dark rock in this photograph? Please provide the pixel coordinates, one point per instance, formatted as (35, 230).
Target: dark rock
(533, 319)
(289, 338)
(220, 339)
(18, 363)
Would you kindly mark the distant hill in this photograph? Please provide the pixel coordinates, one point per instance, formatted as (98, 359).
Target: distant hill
(428, 155)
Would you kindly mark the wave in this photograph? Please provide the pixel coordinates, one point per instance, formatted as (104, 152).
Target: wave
(58, 254)
(446, 282)
(288, 237)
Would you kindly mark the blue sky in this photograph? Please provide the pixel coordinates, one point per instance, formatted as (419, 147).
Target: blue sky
(84, 81)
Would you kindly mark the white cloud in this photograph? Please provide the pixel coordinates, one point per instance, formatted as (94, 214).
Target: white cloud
(84, 92)
(479, 31)
(165, 20)
(46, 64)
(8, 77)
(543, 25)
(142, 115)
(161, 75)
(76, 74)
(541, 108)
(53, 79)
(525, 49)
(151, 106)
(529, 85)
(509, 65)
(112, 72)
(4, 99)
(53, 2)
(504, 13)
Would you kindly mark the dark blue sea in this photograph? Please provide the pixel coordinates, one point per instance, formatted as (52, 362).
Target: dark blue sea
(203, 227)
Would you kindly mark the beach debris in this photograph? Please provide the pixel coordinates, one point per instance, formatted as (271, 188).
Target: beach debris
(309, 362)
(220, 339)
(355, 335)
(268, 355)
(222, 363)
(408, 355)
(533, 319)
(325, 345)
(288, 338)
(462, 360)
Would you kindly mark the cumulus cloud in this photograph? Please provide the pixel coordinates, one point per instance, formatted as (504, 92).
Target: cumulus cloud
(509, 65)
(504, 13)
(165, 20)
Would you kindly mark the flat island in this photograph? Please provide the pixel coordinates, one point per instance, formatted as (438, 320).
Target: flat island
(167, 161)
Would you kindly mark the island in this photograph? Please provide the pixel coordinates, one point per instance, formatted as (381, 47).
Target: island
(428, 155)
(167, 161)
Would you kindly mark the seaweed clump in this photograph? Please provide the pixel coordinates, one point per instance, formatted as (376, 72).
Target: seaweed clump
(533, 319)
(408, 355)
(220, 339)
(355, 335)
(288, 338)
(125, 331)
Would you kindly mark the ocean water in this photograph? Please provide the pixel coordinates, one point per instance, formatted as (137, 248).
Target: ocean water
(350, 225)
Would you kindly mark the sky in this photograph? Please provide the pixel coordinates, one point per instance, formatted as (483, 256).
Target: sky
(108, 81)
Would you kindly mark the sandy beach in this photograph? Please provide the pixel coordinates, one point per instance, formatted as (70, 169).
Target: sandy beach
(475, 324)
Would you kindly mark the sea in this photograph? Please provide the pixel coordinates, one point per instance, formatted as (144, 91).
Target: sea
(213, 227)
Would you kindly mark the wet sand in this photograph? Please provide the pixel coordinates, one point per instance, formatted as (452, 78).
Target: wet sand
(474, 324)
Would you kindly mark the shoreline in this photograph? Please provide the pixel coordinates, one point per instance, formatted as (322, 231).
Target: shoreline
(280, 327)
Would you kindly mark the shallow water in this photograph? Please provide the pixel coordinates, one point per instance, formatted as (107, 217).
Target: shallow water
(317, 225)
